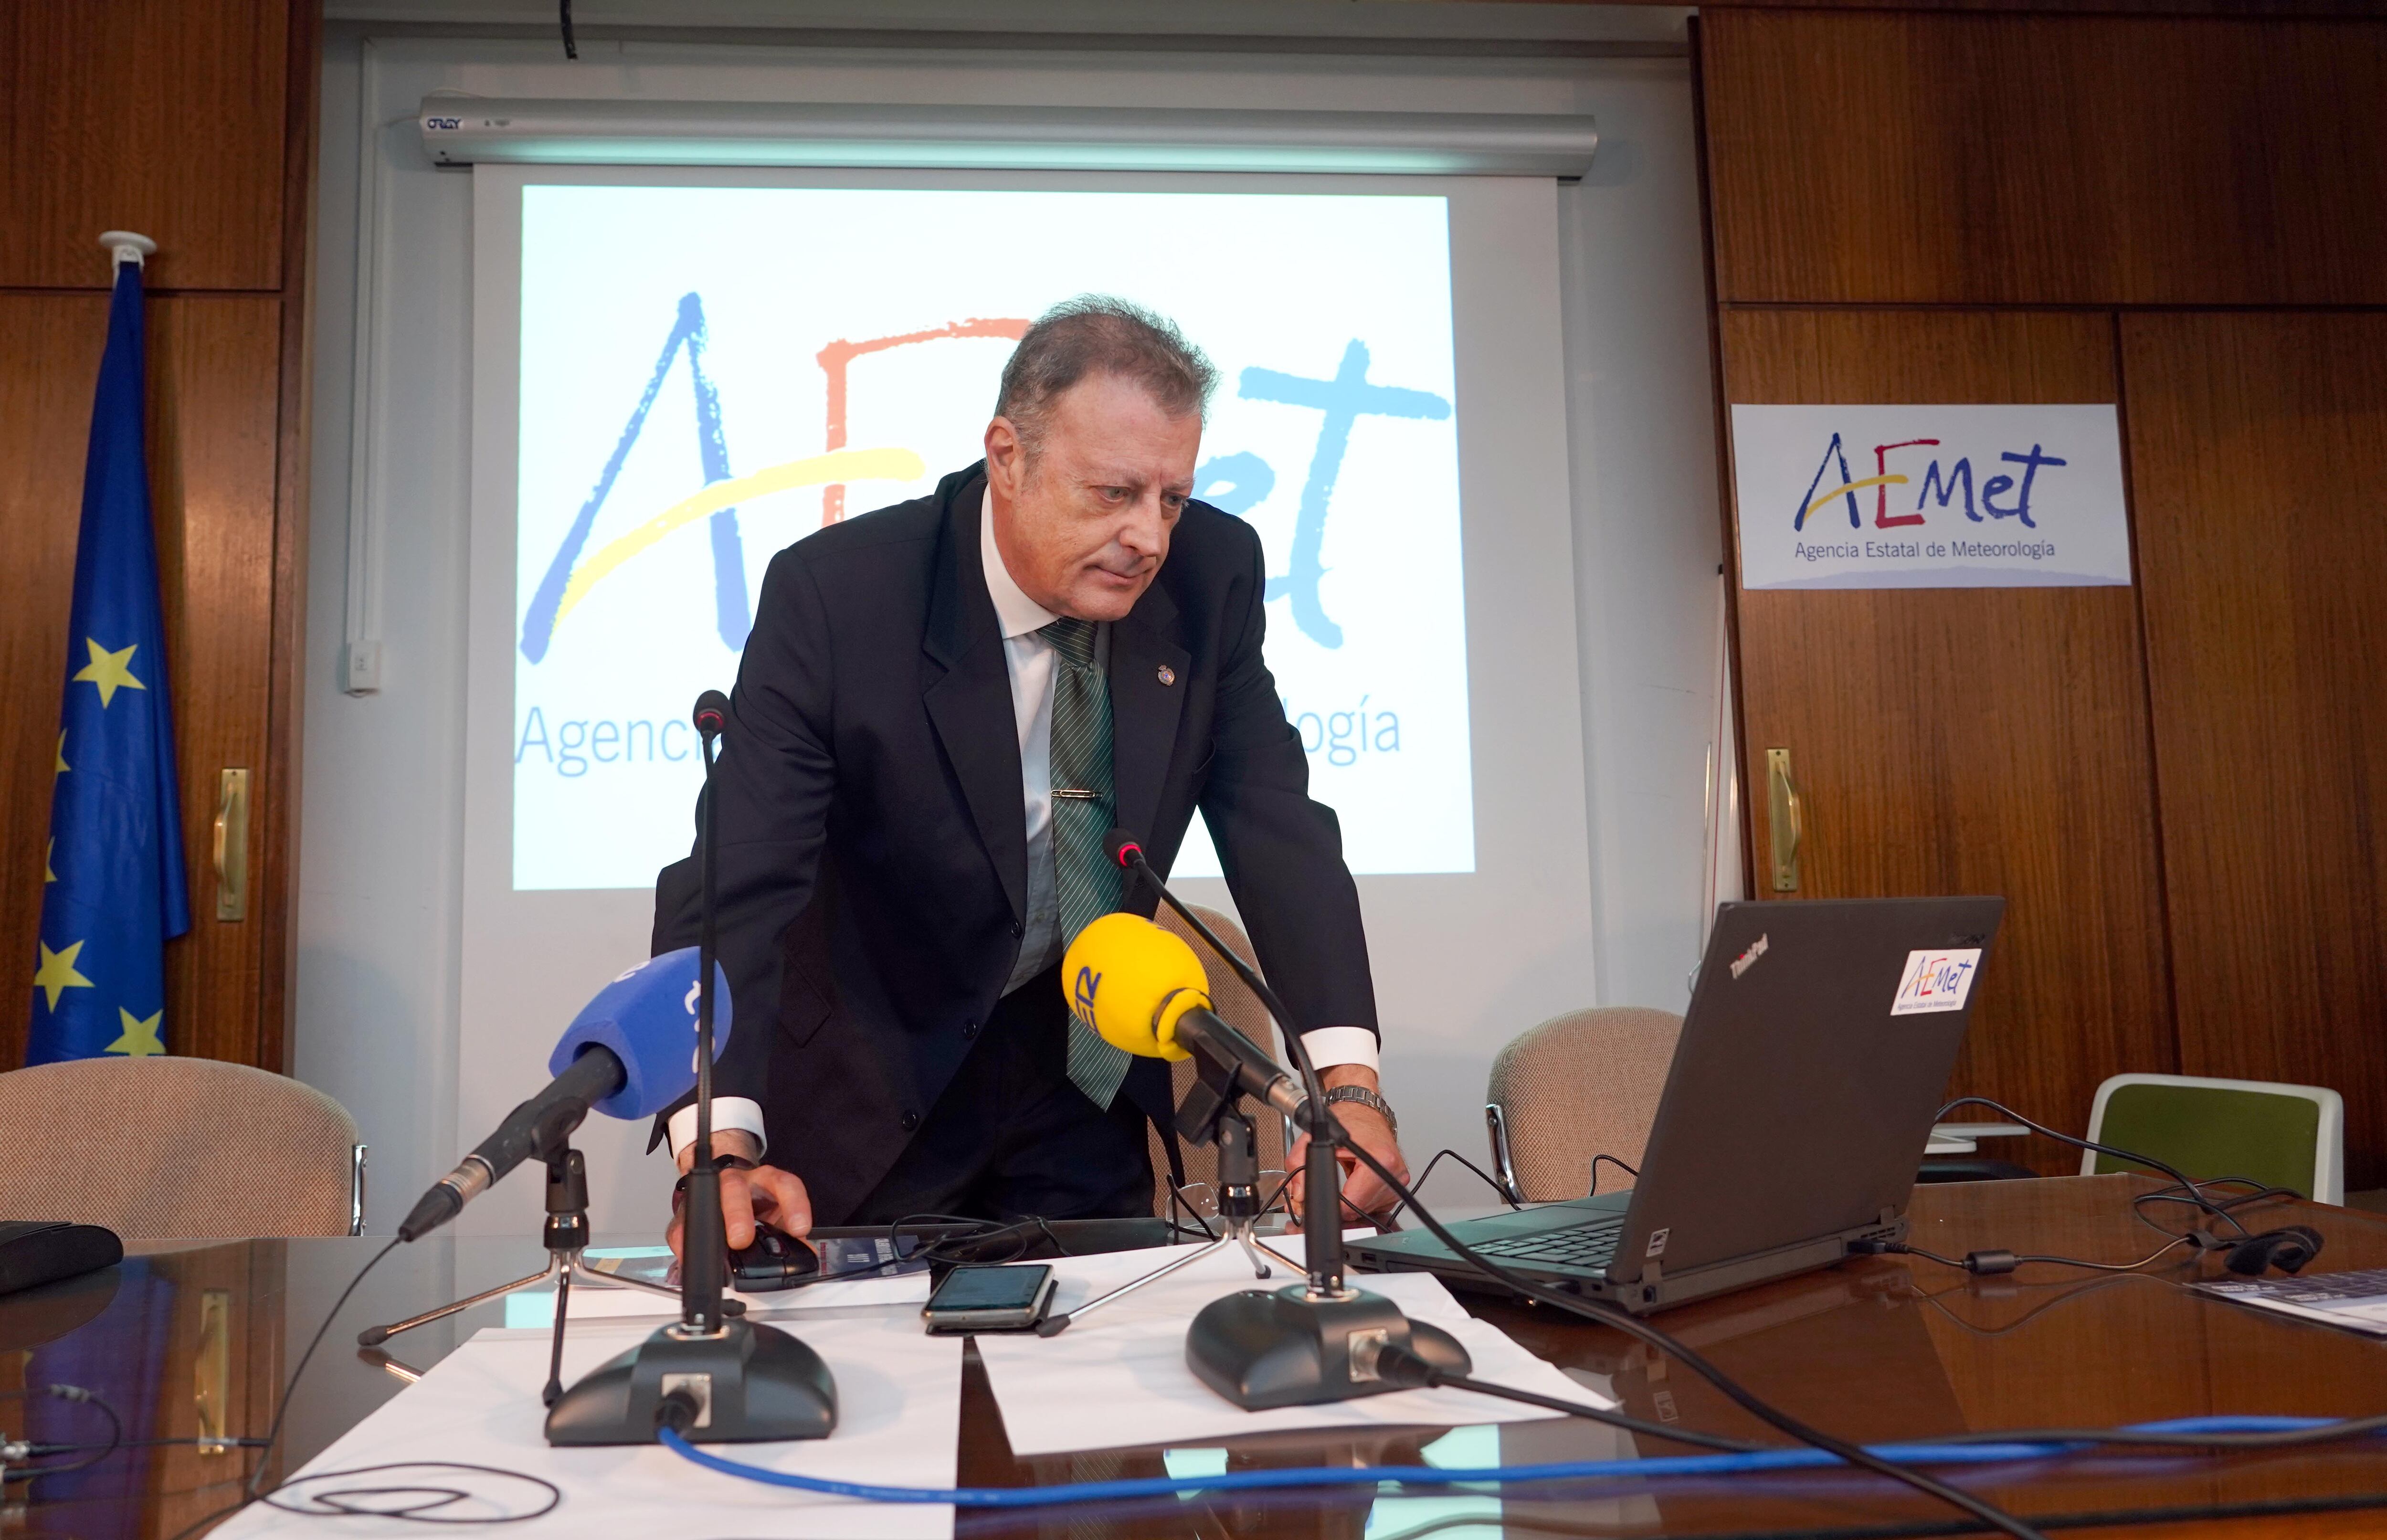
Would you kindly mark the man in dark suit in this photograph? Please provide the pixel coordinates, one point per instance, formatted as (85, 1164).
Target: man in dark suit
(944, 708)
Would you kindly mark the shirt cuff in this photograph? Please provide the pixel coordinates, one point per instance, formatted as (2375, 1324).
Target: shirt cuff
(1328, 1045)
(742, 1113)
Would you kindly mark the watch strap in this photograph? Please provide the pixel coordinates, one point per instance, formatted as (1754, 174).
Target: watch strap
(1365, 1098)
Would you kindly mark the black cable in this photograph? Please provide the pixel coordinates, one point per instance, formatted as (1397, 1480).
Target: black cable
(2262, 1194)
(1991, 1262)
(273, 1432)
(346, 1502)
(1398, 1371)
(69, 1393)
(350, 1502)
(2071, 1291)
(1631, 1325)
(1177, 1200)
(1400, 1366)
(2185, 1182)
(147, 1443)
(1631, 1171)
(1499, 1192)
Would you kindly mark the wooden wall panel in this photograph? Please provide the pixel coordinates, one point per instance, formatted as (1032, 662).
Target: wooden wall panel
(1921, 157)
(161, 116)
(2258, 444)
(1970, 740)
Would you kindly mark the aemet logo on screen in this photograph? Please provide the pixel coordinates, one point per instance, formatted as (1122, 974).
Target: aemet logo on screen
(848, 343)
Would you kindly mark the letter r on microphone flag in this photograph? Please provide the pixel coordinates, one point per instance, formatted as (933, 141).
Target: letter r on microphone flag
(113, 889)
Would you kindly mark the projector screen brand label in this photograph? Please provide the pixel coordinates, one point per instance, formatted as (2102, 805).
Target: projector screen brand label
(1936, 981)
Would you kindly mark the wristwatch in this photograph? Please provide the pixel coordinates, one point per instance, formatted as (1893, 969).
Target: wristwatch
(1366, 1098)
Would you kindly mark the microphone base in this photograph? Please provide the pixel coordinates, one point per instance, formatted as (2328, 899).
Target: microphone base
(1259, 1348)
(751, 1383)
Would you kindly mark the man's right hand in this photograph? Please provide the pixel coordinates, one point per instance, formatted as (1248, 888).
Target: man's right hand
(762, 1192)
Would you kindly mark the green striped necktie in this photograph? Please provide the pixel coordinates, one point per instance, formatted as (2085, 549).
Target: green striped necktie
(1086, 880)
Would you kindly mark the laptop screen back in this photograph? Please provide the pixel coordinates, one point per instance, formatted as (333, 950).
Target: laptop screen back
(1817, 1048)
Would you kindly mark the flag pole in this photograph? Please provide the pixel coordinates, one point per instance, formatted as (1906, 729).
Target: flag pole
(124, 246)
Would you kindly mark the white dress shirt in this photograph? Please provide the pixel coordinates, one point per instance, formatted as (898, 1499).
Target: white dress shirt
(1028, 659)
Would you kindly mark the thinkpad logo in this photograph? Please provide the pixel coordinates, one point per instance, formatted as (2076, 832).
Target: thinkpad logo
(1747, 959)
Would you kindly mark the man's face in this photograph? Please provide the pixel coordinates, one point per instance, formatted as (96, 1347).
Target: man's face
(1084, 530)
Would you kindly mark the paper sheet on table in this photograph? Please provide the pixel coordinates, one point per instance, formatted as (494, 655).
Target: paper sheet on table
(898, 1418)
(536, 1308)
(1118, 1377)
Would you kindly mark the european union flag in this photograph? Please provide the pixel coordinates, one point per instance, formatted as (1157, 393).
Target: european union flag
(113, 889)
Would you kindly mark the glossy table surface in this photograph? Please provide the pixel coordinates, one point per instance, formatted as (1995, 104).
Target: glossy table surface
(193, 1337)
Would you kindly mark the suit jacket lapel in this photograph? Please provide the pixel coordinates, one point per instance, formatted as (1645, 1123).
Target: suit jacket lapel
(967, 692)
(1148, 681)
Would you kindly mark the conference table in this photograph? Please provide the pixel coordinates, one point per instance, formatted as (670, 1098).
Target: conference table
(193, 1338)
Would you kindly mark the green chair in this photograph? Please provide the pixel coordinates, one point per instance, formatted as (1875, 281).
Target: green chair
(2283, 1135)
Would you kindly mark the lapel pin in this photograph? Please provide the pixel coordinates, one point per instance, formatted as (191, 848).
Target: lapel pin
(1168, 675)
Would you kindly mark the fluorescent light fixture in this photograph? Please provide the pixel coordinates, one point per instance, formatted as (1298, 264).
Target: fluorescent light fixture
(465, 130)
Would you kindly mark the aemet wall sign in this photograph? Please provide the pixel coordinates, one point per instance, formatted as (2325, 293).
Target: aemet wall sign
(1929, 497)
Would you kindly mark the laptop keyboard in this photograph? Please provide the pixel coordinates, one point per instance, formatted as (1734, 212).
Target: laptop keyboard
(1585, 1245)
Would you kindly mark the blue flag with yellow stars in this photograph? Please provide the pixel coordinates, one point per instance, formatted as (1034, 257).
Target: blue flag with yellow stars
(113, 889)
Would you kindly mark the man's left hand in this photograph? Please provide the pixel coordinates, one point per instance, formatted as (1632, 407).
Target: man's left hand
(1363, 1192)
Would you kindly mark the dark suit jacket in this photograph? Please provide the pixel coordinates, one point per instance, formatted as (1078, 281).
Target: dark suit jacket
(873, 846)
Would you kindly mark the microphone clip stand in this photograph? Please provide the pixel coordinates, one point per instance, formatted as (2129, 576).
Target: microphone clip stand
(711, 1376)
(1213, 1112)
(565, 1234)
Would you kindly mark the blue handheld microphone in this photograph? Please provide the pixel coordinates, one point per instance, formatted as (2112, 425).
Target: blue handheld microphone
(629, 1053)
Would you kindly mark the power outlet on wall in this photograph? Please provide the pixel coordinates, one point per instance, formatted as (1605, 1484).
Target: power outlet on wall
(360, 666)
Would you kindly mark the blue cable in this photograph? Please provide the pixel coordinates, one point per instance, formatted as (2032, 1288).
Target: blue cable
(1926, 1452)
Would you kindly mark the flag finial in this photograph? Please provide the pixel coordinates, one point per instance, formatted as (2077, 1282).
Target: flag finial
(123, 245)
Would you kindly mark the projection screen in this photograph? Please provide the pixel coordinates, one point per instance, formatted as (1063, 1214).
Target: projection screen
(676, 373)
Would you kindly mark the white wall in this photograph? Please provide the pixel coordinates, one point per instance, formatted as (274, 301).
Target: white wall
(381, 832)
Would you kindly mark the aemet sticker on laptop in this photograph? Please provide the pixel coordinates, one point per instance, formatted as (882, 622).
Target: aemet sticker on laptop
(1936, 981)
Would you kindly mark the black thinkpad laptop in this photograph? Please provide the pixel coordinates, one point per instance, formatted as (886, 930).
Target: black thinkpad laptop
(1818, 1045)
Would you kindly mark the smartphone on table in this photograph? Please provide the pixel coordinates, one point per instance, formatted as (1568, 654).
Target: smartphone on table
(1009, 1298)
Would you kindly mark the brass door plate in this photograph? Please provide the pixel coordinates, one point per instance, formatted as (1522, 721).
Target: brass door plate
(232, 845)
(1785, 820)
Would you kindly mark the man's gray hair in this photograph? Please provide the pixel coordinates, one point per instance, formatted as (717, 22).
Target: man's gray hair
(1097, 335)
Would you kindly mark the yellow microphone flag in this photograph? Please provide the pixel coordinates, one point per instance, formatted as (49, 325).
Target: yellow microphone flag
(1129, 980)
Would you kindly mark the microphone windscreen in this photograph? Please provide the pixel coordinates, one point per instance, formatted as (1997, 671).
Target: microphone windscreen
(1129, 980)
(648, 1018)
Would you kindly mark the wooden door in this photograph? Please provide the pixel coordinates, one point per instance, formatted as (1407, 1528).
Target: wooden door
(2258, 445)
(1987, 741)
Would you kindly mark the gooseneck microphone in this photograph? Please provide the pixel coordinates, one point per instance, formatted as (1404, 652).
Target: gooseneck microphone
(1144, 990)
(626, 1055)
(710, 1376)
(705, 1264)
(1321, 1189)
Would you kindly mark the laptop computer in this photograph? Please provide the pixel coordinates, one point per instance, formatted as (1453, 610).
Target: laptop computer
(1817, 1047)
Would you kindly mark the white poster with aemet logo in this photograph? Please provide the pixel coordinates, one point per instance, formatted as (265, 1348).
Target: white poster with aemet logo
(1919, 497)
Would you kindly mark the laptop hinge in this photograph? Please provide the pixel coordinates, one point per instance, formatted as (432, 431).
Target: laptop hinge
(1890, 1216)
